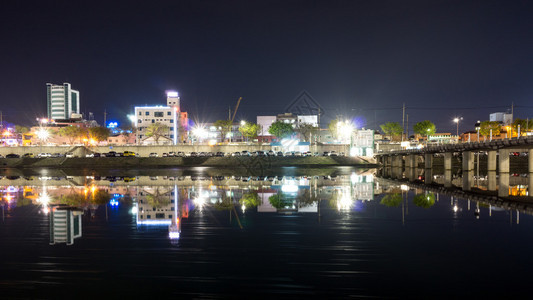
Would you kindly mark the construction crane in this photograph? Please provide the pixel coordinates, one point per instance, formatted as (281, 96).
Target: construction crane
(235, 111)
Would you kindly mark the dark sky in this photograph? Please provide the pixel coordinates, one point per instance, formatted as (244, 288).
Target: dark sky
(356, 58)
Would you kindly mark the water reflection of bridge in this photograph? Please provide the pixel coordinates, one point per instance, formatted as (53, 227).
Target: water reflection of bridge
(518, 204)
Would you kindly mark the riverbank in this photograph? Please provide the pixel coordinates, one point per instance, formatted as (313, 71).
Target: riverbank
(168, 162)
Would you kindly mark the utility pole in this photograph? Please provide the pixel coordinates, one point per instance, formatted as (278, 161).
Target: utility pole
(407, 127)
(105, 117)
(403, 120)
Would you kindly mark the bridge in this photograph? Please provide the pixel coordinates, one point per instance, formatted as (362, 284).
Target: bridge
(498, 152)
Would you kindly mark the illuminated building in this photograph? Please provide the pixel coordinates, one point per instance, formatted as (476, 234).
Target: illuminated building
(62, 102)
(65, 224)
(170, 116)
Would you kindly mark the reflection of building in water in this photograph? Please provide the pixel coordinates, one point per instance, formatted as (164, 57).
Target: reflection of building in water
(362, 187)
(155, 205)
(161, 206)
(65, 224)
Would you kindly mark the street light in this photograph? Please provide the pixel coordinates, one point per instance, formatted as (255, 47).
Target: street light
(456, 120)
(478, 127)
(200, 133)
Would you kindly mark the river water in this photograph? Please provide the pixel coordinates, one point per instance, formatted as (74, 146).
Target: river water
(201, 233)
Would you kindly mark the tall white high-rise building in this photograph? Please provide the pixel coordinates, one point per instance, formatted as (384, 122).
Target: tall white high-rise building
(62, 101)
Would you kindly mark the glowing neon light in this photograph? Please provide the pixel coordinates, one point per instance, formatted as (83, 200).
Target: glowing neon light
(172, 94)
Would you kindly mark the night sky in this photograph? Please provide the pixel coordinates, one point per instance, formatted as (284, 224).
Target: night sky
(357, 59)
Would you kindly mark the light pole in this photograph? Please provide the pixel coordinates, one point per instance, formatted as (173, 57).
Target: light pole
(242, 125)
(456, 120)
(478, 127)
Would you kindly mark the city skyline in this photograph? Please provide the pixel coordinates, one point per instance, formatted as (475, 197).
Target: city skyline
(443, 59)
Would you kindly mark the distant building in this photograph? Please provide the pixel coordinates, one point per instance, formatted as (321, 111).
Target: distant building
(503, 118)
(62, 102)
(265, 122)
(169, 116)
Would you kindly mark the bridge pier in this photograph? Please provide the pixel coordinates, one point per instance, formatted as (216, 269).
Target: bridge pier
(530, 162)
(411, 173)
(447, 178)
(492, 181)
(468, 161)
(411, 161)
(448, 160)
(503, 161)
(503, 188)
(491, 160)
(428, 160)
(468, 180)
(428, 176)
(530, 184)
(399, 161)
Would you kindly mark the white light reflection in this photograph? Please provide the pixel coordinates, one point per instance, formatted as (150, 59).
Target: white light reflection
(44, 200)
(345, 202)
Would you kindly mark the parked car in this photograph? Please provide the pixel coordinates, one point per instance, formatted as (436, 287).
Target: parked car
(219, 154)
(56, 155)
(12, 155)
(28, 155)
(297, 153)
(193, 154)
(43, 155)
(279, 153)
(112, 154)
(129, 154)
(180, 154)
(153, 154)
(1, 156)
(171, 154)
(271, 153)
(69, 154)
(326, 153)
(164, 154)
(333, 153)
(236, 154)
(245, 153)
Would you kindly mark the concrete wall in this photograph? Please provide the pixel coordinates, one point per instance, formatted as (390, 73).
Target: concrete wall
(144, 151)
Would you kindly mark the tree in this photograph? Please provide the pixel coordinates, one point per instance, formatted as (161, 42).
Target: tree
(98, 134)
(424, 128)
(158, 198)
(250, 200)
(276, 201)
(224, 126)
(392, 200)
(424, 200)
(156, 130)
(71, 132)
(392, 129)
(333, 128)
(525, 125)
(21, 129)
(249, 130)
(281, 129)
(486, 126)
(306, 130)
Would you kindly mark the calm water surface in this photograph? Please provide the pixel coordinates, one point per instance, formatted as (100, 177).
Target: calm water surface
(196, 234)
